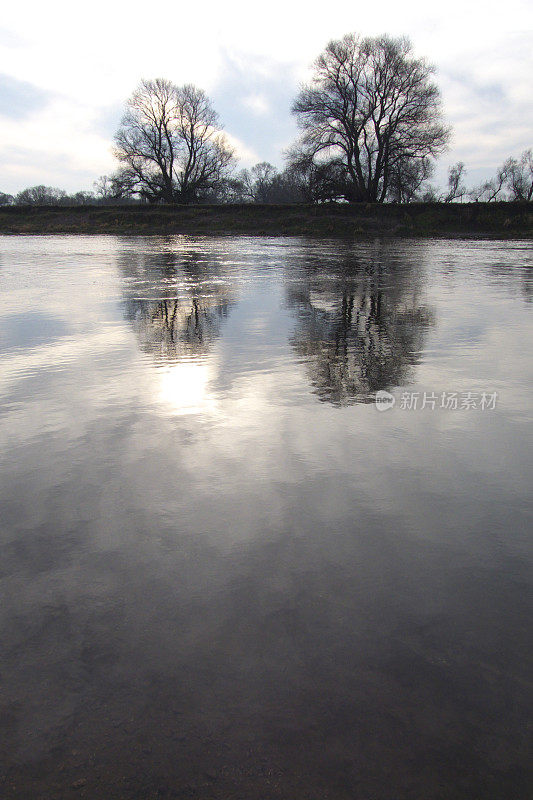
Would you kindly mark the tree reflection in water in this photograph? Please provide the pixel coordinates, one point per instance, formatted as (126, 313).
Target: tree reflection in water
(177, 330)
(184, 323)
(360, 326)
(361, 319)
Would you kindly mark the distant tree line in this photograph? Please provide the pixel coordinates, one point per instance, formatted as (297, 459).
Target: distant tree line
(309, 183)
(371, 129)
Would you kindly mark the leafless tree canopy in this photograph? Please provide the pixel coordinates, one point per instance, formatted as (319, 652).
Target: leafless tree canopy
(41, 196)
(407, 178)
(456, 187)
(520, 176)
(373, 108)
(513, 181)
(169, 143)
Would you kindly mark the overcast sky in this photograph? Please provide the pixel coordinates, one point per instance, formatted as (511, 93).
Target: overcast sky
(67, 69)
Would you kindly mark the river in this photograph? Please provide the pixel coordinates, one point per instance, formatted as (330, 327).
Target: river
(226, 570)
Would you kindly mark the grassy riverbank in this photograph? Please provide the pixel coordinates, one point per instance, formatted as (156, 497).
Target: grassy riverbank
(418, 219)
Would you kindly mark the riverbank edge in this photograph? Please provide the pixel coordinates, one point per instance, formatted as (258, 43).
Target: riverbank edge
(465, 220)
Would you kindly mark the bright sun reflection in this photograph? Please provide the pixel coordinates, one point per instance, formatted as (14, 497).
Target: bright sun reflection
(185, 388)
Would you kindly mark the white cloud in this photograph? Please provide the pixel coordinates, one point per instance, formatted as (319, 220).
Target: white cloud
(242, 152)
(256, 103)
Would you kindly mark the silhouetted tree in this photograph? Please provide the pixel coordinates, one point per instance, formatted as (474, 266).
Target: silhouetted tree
(430, 194)
(118, 187)
(316, 182)
(513, 181)
(41, 196)
(257, 182)
(371, 106)
(407, 178)
(169, 143)
(264, 184)
(288, 187)
(6, 199)
(81, 199)
(490, 190)
(520, 176)
(109, 187)
(456, 187)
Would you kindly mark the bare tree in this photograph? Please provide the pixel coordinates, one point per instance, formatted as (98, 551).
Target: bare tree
(120, 186)
(456, 187)
(406, 179)
(257, 181)
(514, 176)
(264, 184)
(520, 176)
(371, 106)
(169, 143)
(317, 181)
(81, 199)
(41, 196)
(430, 194)
(492, 189)
(104, 187)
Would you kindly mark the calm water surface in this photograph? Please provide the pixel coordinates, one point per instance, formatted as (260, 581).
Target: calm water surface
(226, 574)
